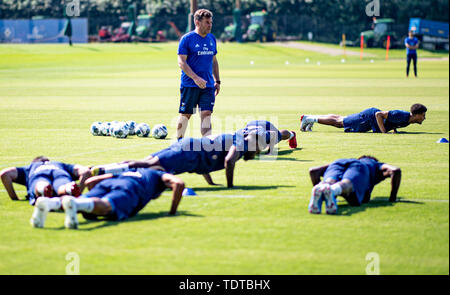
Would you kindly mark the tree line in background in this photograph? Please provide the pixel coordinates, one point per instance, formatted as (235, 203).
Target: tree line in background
(333, 13)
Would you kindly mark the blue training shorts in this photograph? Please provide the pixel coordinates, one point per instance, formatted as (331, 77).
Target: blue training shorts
(354, 171)
(360, 122)
(191, 97)
(120, 194)
(56, 178)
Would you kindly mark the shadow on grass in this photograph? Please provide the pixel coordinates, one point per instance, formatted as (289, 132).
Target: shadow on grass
(277, 157)
(244, 188)
(138, 217)
(405, 132)
(102, 222)
(86, 48)
(347, 210)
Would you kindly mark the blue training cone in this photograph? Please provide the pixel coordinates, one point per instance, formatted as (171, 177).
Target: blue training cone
(189, 192)
(442, 140)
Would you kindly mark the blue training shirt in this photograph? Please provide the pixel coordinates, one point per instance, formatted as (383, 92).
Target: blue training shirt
(200, 52)
(376, 175)
(411, 42)
(216, 148)
(147, 183)
(396, 119)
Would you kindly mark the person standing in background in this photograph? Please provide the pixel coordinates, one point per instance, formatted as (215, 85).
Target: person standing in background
(200, 80)
(412, 44)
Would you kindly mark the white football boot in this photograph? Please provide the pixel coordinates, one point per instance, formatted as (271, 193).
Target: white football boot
(309, 127)
(70, 208)
(315, 203)
(330, 201)
(303, 123)
(40, 212)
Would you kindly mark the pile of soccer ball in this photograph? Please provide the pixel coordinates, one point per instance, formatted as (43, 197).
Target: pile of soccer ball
(124, 129)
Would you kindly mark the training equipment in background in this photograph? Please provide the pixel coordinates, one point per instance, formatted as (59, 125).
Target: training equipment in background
(123, 129)
(142, 130)
(96, 128)
(442, 140)
(120, 130)
(159, 131)
(188, 192)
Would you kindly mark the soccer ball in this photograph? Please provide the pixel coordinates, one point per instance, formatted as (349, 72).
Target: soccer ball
(131, 127)
(142, 130)
(105, 128)
(120, 130)
(159, 131)
(96, 128)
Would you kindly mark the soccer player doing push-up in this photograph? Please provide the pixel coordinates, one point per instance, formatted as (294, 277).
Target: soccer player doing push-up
(117, 197)
(370, 119)
(198, 155)
(354, 179)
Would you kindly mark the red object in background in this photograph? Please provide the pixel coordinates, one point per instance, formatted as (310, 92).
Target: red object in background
(388, 45)
(362, 47)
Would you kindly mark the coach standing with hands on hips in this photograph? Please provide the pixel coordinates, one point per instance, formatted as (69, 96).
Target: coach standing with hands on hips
(200, 80)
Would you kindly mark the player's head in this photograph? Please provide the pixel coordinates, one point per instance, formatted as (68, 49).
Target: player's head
(203, 21)
(368, 157)
(411, 33)
(418, 112)
(256, 141)
(40, 159)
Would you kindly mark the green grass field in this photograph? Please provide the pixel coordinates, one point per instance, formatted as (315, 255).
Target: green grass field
(50, 94)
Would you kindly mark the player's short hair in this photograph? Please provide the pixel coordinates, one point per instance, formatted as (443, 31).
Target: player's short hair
(201, 14)
(368, 157)
(40, 159)
(418, 109)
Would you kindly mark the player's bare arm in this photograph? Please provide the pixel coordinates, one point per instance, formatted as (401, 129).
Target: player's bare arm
(316, 173)
(182, 63)
(395, 174)
(93, 181)
(380, 117)
(216, 75)
(8, 176)
(230, 161)
(177, 186)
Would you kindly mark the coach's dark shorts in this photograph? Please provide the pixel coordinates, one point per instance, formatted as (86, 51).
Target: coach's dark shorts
(191, 97)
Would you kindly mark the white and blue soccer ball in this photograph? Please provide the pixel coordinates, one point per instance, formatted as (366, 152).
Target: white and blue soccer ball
(120, 130)
(112, 125)
(142, 130)
(105, 129)
(131, 127)
(96, 128)
(159, 131)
